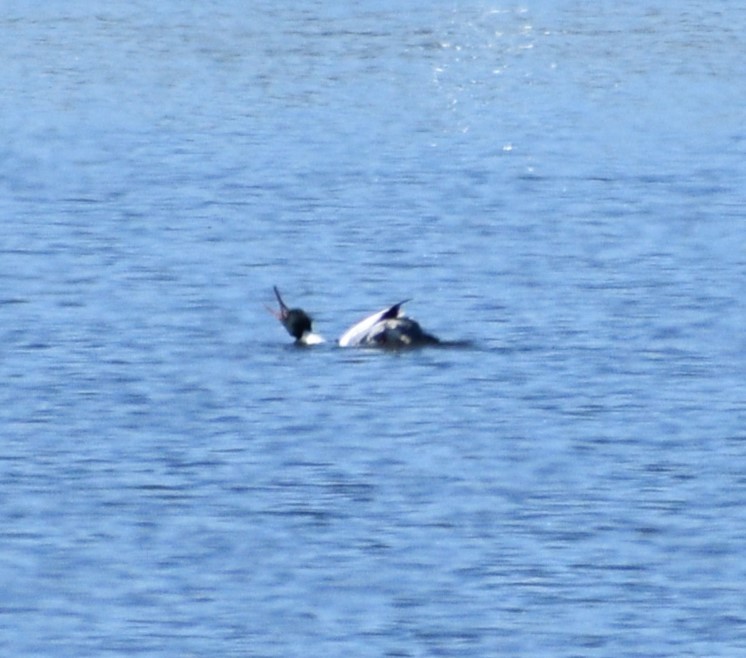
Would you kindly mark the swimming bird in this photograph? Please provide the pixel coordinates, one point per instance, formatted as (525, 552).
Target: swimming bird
(388, 328)
(296, 321)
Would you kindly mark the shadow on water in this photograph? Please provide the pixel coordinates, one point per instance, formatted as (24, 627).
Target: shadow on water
(333, 345)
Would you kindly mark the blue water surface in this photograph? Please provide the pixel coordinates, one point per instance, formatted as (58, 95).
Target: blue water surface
(558, 186)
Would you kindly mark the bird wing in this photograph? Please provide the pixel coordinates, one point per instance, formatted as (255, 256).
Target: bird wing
(357, 333)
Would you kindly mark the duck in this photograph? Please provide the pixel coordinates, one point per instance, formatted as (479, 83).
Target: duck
(296, 321)
(388, 328)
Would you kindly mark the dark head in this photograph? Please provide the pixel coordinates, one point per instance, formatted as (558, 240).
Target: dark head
(295, 320)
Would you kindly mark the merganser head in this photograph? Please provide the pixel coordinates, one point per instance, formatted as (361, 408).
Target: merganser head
(295, 320)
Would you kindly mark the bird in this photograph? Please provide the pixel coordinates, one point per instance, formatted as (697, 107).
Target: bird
(296, 321)
(387, 328)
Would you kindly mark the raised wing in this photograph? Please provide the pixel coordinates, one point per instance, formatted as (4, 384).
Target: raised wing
(356, 334)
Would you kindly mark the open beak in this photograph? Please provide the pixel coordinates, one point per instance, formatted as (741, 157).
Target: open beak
(282, 314)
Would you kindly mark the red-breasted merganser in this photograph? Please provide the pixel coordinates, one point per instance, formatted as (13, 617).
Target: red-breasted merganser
(387, 328)
(296, 321)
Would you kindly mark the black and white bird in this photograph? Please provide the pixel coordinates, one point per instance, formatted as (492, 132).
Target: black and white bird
(296, 321)
(388, 328)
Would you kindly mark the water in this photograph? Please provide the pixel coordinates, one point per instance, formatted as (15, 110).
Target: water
(558, 184)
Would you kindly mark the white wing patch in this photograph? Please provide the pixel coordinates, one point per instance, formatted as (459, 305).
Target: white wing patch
(355, 334)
